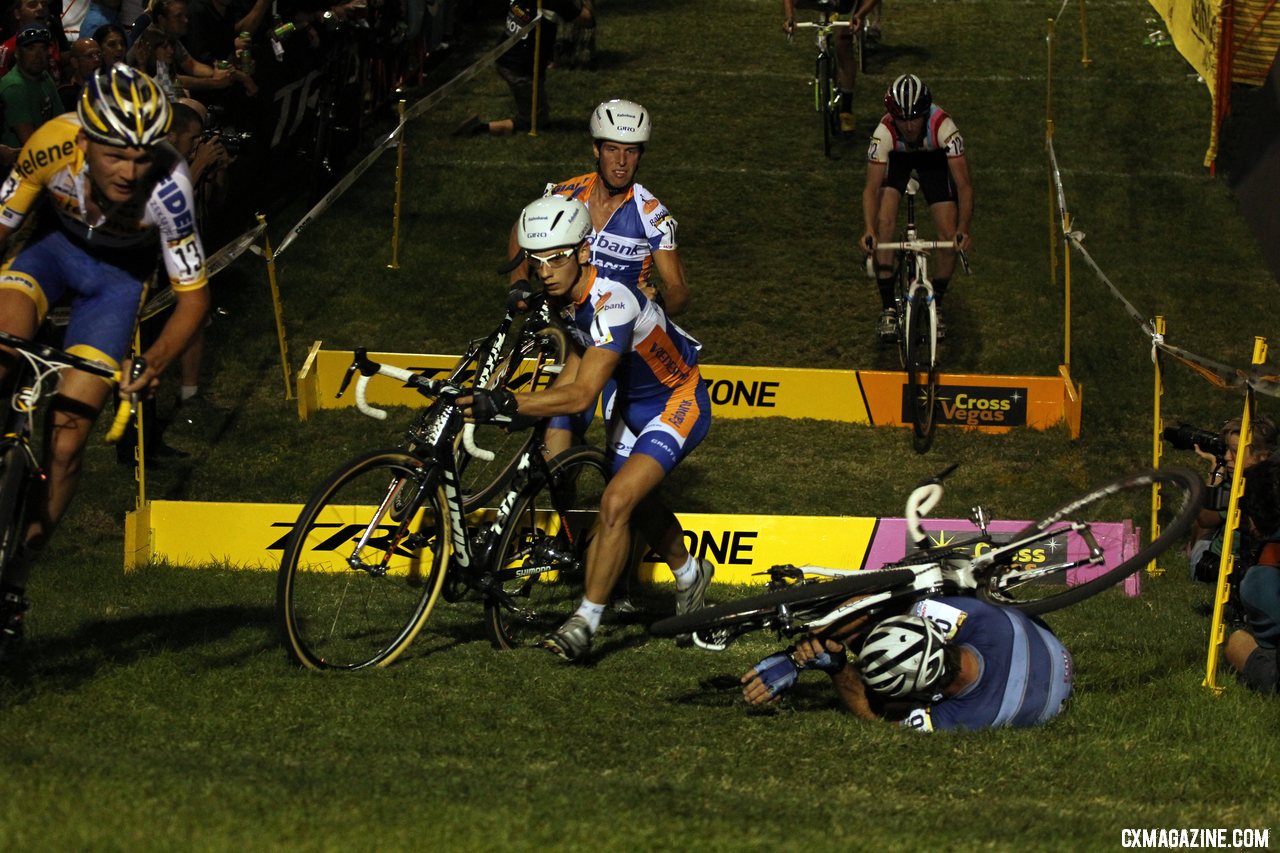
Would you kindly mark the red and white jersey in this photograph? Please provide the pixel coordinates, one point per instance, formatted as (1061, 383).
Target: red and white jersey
(940, 134)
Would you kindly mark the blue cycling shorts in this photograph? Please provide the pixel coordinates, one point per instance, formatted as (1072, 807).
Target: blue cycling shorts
(105, 290)
(666, 428)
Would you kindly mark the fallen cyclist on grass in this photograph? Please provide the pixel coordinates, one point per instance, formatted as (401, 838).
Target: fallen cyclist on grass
(949, 663)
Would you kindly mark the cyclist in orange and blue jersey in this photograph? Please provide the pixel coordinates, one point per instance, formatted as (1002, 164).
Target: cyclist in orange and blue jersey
(106, 189)
(632, 233)
(619, 335)
(915, 135)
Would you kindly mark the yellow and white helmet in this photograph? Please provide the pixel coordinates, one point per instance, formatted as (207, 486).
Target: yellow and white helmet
(123, 107)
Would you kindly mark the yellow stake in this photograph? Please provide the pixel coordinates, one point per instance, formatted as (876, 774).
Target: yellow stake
(395, 215)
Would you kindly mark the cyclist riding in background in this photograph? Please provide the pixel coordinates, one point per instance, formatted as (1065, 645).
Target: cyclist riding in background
(846, 61)
(632, 233)
(950, 663)
(915, 135)
(618, 334)
(106, 188)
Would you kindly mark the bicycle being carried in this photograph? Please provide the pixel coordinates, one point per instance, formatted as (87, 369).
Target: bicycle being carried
(35, 377)
(390, 531)
(1032, 570)
(917, 322)
(829, 100)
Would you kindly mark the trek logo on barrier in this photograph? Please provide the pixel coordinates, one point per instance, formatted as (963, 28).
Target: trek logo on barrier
(969, 405)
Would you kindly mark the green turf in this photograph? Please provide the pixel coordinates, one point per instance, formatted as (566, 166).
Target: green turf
(155, 711)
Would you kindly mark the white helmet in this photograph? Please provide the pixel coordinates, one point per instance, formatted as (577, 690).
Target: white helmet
(621, 121)
(903, 654)
(553, 222)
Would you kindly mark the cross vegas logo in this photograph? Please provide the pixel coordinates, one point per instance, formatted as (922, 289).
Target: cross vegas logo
(972, 405)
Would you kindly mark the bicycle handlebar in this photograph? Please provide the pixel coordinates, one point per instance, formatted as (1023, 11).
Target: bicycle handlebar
(921, 502)
(918, 246)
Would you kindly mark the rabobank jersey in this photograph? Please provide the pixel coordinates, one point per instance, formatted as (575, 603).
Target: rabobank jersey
(623, 249)
(52, 164)
(940, 134)
(1024, 671)
(657, 356)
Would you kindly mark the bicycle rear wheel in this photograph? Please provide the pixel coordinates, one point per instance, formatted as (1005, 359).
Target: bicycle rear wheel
(540, 560)
(13, 487)
(1032, 575)
(356, 584)
(760, 611)
(922, 373)
(482, 480)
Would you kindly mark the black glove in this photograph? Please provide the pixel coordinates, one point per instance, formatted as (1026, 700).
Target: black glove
(518, 295)
(487, 406)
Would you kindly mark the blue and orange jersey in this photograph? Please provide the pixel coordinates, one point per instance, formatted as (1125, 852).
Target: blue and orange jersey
(623, 249)
(940, 134)
(657, 356)
(51, 165)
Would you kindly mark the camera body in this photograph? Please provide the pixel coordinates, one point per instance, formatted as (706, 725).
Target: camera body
(1187, 437)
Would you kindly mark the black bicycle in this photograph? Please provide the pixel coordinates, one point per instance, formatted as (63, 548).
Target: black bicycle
(36, 376)
(389, 532)
(826, 91)
(1032, 570)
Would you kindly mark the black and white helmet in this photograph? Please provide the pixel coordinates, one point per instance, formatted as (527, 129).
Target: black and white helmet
(902, 655)
(625, 122)
(553, 222)
(908, 97)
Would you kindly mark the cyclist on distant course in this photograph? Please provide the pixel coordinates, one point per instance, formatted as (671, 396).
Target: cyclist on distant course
(915, 135)
(950, 663)
(846, 62)
(632, 233)
(106, 188)
(618, 334)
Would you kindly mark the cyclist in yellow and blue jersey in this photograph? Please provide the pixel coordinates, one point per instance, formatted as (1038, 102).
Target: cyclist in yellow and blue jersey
(620, 335)
(106, 191)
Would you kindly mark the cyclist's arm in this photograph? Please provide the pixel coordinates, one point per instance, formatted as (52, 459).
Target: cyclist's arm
(788, 16)
(855, 20)
(187, 318)
(959, 167)
(853, 693)
(871, 200)
(575, 392)
(675, 290)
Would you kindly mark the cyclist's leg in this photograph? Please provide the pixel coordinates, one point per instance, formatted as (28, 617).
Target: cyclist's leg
(886, 224)
(846, 75)
(940, 192)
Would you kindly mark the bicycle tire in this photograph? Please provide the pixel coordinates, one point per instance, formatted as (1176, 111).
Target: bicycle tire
(922, 373)
(541, 556)
(481, 480)
(763, 607)
(906, 274)
(1117, 497)
(825, 109)
(13, 482)
(334, 615)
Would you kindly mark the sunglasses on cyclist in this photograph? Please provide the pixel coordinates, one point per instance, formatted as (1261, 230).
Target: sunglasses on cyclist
(555, 260)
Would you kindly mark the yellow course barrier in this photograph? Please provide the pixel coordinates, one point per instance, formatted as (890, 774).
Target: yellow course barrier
(989, 403)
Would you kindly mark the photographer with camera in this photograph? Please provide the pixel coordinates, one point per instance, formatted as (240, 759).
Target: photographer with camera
(1204, 552)
(1252, 651)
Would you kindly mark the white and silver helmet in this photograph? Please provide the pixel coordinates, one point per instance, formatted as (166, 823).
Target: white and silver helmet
(625, 122)
(553, 222)
(902, 655)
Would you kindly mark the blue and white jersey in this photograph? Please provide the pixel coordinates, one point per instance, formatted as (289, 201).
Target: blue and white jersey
(1024, 674)
(657, 356)
(623, 249)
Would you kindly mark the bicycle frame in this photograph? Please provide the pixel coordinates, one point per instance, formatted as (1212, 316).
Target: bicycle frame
(471, 551)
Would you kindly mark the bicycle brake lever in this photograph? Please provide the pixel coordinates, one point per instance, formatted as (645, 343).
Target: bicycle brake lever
(964, 261)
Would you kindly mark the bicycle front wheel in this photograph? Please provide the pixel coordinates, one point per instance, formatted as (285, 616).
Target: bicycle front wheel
(483, 479)
(1069, 555)
(803, 602)
(826, 101)
(359, 577)
(922, 376)
(540, 560)
(13, 487)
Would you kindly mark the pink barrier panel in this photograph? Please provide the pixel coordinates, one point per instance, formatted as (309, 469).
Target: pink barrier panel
(1119, 539)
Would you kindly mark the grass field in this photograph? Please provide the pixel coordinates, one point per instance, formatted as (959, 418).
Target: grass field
(155, 711)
